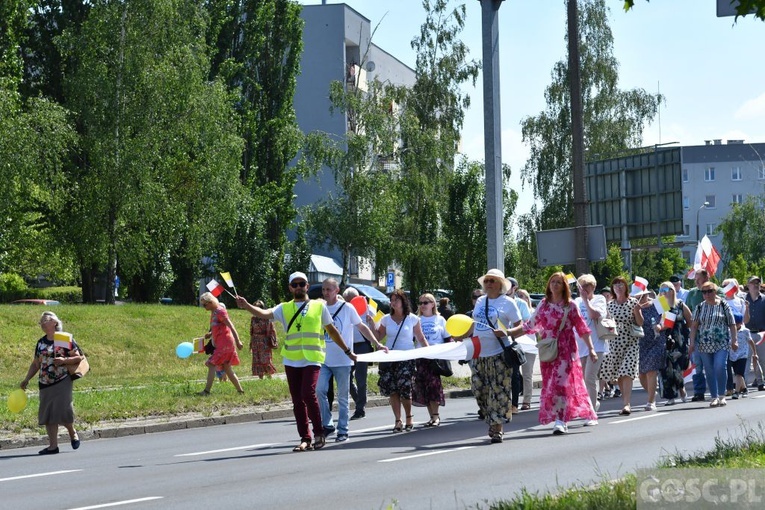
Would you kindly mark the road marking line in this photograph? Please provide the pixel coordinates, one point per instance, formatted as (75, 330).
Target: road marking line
(118, 503)
(39, 474)
(652, 415)
(427, 454)
(208, 452)
(759, 396)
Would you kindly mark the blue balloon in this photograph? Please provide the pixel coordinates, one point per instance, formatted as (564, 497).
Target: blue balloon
(184, 350)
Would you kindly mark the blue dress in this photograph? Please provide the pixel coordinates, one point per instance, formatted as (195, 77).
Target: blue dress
(652, 346)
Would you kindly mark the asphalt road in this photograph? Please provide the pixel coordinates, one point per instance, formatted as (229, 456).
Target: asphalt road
(251, 465)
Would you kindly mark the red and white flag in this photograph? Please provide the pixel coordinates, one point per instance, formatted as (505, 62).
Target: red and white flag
(688, 373)
(730, 290)
(639, 286)
(707, 257)
(215, 288)
(669, 319)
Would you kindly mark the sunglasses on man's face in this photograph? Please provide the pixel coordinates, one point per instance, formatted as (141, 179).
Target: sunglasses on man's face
(296, 285)
(707, 291)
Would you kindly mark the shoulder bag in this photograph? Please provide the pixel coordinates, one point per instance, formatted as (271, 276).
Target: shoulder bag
(605, 327)
(548, 348)
(81, 369)
(386, 364)
(512, 354)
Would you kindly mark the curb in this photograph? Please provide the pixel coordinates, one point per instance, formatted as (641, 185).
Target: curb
(138, 426)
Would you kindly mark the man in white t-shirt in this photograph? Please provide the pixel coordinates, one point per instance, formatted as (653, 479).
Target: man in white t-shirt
(303, 353)
(336, 363)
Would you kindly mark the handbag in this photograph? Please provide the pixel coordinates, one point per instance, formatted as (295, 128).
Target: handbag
(605, 327)
(636, 331)
(385, 365)
(81, 369)
(512, 354)
(548, 348)
(441, 367)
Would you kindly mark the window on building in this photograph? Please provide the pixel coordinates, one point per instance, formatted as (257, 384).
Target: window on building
(710, 200)
(709, 174)
(738, 198)
(735, 173)
(687, 257)
(685, 203)
(685, 175)
(686, 230)
(711, 229)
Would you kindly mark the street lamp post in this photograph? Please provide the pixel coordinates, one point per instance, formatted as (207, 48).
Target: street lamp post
(705, 204)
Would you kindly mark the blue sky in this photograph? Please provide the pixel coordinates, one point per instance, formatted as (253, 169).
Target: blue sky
(710, 71)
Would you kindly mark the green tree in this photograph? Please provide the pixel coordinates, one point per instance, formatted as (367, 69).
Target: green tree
(432, 117)
(35, 139)
(258, 44)
(743, 7)
(356, 219)
(657, 265)
(742, 230)
(610, 268)
(613, 121)
(158, 144)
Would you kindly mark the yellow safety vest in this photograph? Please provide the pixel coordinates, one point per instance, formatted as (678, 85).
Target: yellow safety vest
(304, 339)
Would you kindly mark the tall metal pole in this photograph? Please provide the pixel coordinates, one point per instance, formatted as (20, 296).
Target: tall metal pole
(577, 143)
(492, 130)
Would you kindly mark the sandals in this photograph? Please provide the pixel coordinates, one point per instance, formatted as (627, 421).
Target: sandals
(626, 411)
(319, 442)
(409, 426)
(525, 406)
(398, 427)
(496, 433)
(304, 446)
(435, 421)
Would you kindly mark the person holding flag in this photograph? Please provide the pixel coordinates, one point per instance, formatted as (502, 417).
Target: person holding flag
(226, 341)
(303, 353)
(652, 347)
(674, 333)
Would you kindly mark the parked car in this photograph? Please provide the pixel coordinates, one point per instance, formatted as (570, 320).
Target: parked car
(383, 302)
(44, 302)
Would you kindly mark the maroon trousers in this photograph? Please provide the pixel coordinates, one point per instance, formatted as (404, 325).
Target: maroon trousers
(305, 405)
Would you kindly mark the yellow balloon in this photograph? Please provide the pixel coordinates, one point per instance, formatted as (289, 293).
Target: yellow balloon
(458, 324)
(17, 401)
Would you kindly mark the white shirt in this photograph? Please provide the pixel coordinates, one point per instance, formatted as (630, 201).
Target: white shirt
(503, 314)
(345, 322)
(598, 303)
(405, 340)
(278, 312)
(434, 329)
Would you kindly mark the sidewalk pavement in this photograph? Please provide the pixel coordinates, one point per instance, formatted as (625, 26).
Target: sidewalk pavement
(147, 425)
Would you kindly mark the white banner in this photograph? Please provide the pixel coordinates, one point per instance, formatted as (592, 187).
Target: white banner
(470, 348)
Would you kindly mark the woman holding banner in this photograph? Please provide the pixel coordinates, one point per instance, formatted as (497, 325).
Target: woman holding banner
(673, 330)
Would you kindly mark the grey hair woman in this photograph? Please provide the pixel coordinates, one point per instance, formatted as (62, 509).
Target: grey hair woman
(50, 363)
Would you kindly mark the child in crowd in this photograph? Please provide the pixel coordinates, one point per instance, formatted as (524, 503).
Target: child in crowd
(738, 359)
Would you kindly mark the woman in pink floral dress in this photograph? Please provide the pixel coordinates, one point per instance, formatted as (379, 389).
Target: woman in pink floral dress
(564, 396)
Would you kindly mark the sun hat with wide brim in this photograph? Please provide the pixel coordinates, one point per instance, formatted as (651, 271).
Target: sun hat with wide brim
(499, 275)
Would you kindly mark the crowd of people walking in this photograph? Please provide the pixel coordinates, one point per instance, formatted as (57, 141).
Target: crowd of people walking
(657, 338)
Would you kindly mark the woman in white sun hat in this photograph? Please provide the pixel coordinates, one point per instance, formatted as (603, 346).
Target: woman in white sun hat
(494, 313)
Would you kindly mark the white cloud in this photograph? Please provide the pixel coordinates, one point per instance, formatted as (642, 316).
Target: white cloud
(751, 109)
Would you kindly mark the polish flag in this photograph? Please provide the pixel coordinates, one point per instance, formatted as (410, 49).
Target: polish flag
(688, 373)
(707, 257)
(669, 319)
(215, 288)
(640, 283)
(730, 290)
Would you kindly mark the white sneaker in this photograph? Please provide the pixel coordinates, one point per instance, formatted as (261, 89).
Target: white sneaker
(597, 405)
(650, 406)
(559, 428)
(670, 402)
(590, 423)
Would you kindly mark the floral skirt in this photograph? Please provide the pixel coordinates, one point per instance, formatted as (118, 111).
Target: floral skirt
(492, 387)
(427, 384)
(397, 377)
(262, 357)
